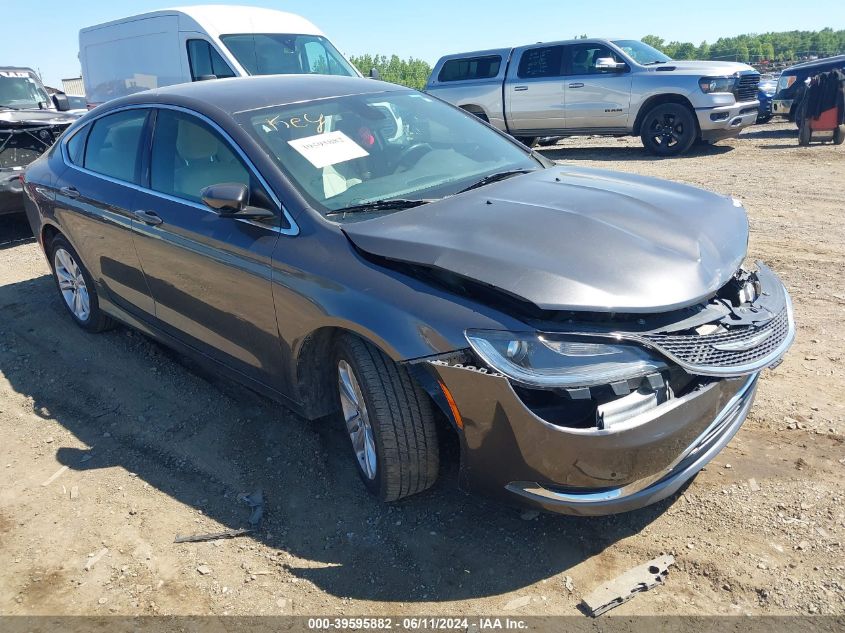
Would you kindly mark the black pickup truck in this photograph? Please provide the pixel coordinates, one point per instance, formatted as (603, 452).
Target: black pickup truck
(30, 121)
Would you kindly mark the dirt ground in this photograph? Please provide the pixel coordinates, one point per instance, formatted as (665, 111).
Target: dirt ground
(112, 445)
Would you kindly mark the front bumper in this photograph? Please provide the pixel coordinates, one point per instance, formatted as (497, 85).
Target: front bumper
(11, 191)
(782, 107)
(510, 452)
(726, 121)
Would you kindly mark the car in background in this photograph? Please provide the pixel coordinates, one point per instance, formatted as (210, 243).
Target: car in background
(793, 81)
(30, 120)
(600, 87)
(589, 338)
(77, 105)
(201, 42)
(765, 91)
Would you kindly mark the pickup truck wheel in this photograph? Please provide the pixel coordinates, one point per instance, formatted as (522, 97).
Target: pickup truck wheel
(389, 419)
(668, 129)
(839, 135)
(528, 141)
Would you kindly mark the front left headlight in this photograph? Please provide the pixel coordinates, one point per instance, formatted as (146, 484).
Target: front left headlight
(562, 361)
(717, 84)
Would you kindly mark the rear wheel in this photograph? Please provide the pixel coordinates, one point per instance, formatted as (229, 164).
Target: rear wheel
(839, 135)
(389, 420)
(668, 129)
(77, 287)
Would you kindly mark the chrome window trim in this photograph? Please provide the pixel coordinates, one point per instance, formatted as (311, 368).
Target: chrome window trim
(293, 229)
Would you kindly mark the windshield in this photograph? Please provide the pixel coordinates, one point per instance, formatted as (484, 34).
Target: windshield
(642, 53)
(20, 90)
(285, 54)
(360, 149)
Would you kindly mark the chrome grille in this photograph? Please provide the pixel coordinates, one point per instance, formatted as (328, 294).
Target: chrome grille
(746, 87)
(696, 351)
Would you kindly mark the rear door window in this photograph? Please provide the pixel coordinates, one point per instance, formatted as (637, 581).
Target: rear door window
(76, 145)
(470, 68)
(205, 61)
(114, 145)
(544, 61)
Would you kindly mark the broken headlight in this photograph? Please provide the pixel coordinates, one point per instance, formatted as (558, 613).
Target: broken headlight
(561, 361)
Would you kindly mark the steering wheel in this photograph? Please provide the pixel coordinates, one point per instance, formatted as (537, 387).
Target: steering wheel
(409, 156)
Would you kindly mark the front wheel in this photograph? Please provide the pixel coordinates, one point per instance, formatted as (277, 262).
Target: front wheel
(839, 135)
(389, 420)
(668, 129)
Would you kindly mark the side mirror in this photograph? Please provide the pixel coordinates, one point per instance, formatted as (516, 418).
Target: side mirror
(374, 73)
(206, 77)
(608, 64)
(231, 200)
(61, 102)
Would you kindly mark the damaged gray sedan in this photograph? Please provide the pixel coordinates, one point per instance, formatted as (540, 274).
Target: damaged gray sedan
(369, 254)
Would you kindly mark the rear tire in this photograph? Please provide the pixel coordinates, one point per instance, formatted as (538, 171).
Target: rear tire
(528, 141)
(839, 135)
(389, 419)
(76, 287)
(668, 129)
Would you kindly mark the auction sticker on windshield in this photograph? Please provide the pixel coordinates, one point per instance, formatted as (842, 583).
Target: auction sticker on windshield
(323, 150)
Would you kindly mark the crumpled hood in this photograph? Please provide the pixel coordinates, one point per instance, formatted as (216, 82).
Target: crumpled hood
(704, 67)
(570, 238)
(25, 118)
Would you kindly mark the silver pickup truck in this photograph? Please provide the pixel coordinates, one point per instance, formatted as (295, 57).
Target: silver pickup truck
(596, 86)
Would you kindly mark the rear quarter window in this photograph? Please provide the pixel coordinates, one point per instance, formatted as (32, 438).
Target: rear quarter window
(468, 68)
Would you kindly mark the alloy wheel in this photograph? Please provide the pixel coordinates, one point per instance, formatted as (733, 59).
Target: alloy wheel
(72, 284)
(667, 130)
(357, 419)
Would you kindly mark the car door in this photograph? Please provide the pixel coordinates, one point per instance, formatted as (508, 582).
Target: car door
(595, 98)
(209, 275)
(94, 201)
(534, 98)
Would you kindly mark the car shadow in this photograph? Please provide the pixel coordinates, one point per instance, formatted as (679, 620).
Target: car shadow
(625, 153)
(202, 440)
(14, 230)
(753, 133)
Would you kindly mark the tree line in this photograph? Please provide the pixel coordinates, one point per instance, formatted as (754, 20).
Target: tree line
(783, 46)
(409, 72)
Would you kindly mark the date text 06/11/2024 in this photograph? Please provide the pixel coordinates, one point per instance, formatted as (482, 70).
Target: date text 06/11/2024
(416, 624)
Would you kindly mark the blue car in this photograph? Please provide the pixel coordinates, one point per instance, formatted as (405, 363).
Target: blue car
(765, 92)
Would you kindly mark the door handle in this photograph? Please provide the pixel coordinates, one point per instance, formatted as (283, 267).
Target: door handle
(148, 217)
(520, 88)
(576, 85)
(70, 192)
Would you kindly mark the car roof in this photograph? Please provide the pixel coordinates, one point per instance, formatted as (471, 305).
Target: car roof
(240, 94)
(833, 61)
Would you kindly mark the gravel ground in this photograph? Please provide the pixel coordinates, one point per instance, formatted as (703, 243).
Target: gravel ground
(112, 445)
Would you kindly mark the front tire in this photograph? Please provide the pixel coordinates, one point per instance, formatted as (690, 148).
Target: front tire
(76, 287)
(389, 420)
(668, 129)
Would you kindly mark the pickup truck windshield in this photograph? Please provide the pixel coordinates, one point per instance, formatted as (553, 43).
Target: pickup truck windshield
(20, 91)
(642, 53)
(285, 54)
(357, 150)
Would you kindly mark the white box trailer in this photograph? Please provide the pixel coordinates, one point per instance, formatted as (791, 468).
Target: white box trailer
(201, 42)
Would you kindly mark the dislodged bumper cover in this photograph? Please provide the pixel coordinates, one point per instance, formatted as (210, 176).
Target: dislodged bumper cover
(507, 447)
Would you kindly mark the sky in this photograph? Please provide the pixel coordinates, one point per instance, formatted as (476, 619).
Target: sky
(43, 34)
